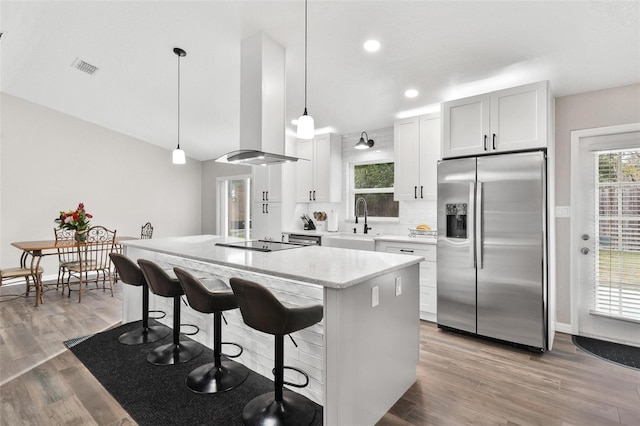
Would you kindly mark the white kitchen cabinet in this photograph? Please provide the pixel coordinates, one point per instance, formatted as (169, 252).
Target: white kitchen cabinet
(428, 272)
(266, 221)
(417, 151)
(267, 183)
(320, 178)
(503, 121)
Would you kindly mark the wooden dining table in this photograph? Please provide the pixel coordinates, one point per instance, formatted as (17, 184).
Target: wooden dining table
(40, 249)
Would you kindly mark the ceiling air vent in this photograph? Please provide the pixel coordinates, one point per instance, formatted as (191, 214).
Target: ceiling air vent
(83, 66)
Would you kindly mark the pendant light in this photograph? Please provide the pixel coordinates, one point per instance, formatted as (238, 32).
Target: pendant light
(364, 142)
(305, 122)
(178, 154)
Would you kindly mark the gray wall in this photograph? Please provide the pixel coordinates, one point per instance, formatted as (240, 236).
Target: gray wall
(608, 107)
(51, 161)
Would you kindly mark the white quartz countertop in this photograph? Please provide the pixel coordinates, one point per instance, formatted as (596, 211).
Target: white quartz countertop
(376, 237)
(326, 266)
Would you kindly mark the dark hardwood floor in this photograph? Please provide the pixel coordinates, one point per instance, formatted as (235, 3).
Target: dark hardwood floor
(461, 380)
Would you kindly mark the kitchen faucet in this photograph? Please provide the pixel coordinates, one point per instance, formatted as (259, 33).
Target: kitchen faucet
(366, 228)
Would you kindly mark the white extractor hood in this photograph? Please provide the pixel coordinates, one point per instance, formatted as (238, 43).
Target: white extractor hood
(262, 104)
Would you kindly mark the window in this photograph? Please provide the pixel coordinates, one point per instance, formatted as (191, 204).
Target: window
(234, 206)
(374, 183)
(617, 257)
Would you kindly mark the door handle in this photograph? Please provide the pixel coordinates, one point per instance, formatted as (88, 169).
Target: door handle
(485, 142)
(584, 250)
(310, 199)
(415, 192)
(421, 191)
(314, 195)
(478, 217)
(471, 223)
(493, 142)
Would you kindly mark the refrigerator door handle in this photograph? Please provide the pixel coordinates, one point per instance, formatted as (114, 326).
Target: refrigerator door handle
(478, 225)
(471, 214)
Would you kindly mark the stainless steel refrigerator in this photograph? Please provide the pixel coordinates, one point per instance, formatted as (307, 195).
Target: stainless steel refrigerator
(492, 247)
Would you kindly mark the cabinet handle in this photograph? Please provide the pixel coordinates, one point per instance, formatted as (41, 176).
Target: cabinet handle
(266, 208)
(493, 143)
(485, 142)
(421, 191)
(415, 192)
(310, 199)
(263, 208)
(314, 195)
(266, 197)
(406, 251)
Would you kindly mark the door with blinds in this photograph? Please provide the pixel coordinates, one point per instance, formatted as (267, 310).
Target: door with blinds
(607, 241)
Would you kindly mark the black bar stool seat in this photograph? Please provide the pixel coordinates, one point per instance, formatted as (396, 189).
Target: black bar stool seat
(262, 311)
(218, 376)
(131, 274)
(163, 285)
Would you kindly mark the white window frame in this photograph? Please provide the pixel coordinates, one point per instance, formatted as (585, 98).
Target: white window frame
(350, 191)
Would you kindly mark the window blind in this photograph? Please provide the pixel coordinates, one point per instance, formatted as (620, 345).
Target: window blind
(617, 230)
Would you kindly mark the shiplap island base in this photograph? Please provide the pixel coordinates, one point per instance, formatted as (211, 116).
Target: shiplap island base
(360, 359)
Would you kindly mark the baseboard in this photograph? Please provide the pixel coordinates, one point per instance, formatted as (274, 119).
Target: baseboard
(564, 328)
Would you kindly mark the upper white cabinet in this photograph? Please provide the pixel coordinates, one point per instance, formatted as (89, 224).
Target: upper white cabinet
(417, 151)
(320, 178)
(507, 120)
(267, 183)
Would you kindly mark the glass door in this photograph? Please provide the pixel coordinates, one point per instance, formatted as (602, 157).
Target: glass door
(234, 206)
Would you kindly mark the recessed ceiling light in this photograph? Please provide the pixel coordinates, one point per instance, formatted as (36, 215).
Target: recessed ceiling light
(411, 93)
(372, 45)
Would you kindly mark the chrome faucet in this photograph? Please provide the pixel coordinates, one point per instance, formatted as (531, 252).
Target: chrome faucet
(366, 228)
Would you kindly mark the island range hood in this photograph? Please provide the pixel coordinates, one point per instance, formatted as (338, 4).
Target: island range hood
(262, 104)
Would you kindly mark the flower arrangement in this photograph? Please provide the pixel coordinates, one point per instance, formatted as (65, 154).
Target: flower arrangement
(77, 220)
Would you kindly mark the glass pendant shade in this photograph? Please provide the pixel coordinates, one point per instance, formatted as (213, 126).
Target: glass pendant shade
(306, 128)
(178, 156)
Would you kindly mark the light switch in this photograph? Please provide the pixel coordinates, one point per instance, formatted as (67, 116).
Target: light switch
(375, 297)
(398, 286)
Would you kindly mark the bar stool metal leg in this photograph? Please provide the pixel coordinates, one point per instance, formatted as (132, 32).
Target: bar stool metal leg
(146, 334)
(178, 351)
(218, 376)
(281, 407)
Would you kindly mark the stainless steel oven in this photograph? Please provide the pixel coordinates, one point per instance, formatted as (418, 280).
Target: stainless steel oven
(305, 239)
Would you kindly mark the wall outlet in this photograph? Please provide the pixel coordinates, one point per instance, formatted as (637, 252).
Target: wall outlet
(563, 211)
(398, 286)
(375, 297)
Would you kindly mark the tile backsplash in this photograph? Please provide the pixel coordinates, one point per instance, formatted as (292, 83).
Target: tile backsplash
(411, 213)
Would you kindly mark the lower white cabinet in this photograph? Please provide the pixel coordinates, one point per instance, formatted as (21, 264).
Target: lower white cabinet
(428, 272)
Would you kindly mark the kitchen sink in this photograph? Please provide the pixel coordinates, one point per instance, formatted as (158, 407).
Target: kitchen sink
(350, 241)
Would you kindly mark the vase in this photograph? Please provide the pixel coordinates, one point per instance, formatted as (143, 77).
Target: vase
(81, 236)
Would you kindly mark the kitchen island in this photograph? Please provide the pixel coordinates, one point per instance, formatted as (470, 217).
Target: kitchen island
(360, 359)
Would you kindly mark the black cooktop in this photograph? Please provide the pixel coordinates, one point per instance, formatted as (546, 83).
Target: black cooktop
(262, 245)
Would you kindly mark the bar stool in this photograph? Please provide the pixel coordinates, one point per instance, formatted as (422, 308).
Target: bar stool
(163, 285)
(131, 274)
(218, 376)
(262, 311)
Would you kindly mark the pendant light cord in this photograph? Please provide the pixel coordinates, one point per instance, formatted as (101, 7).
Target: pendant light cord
(178, 101)
(305, 57)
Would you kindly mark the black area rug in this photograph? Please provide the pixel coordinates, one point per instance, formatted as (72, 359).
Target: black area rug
(629, 356)
(157, 395)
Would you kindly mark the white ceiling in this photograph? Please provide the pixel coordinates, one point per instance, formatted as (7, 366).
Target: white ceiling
(445, 49)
